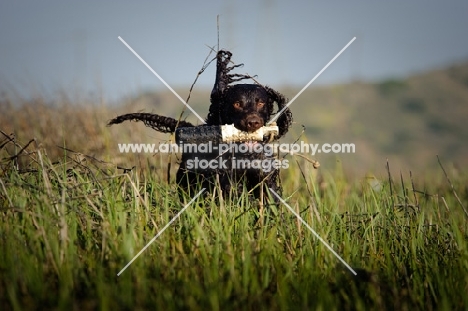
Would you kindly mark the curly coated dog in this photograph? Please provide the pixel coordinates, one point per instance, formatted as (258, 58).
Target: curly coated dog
(248, 107)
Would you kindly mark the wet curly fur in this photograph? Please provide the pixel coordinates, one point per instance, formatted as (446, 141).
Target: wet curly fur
(248, 107)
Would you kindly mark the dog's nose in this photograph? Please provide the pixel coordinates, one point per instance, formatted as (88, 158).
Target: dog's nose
(254, 123)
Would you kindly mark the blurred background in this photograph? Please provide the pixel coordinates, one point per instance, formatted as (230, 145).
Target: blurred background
(399, 92)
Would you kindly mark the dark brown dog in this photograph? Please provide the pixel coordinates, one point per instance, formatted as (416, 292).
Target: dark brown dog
(248, 107)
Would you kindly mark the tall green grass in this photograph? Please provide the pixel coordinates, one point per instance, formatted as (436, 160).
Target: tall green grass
(67, 228)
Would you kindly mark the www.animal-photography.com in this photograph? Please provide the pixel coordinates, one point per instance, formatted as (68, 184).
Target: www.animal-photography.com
(233, 155)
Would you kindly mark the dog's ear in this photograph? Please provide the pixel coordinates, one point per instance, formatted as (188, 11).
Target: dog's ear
(219, 88)
(222, 83)
(222, 75)
(284, 121)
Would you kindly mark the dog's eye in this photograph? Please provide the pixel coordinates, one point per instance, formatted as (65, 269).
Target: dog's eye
(260, 104)
(237, 105)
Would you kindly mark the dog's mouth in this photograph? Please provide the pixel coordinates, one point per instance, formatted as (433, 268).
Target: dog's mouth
(231, 133)
(248, 129)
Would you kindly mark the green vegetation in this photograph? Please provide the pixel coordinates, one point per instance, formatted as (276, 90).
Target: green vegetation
(414, 105)
(391, 87)
(74, 211)
(68, 228)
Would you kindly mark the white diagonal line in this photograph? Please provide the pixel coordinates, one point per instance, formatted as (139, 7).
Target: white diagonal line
(160, 232)
(162, 80)
(314, 233)
(310, 82)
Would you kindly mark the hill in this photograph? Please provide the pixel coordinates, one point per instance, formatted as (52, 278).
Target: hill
(409, 121)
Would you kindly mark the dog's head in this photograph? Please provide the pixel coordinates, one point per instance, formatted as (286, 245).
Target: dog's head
(247, 106)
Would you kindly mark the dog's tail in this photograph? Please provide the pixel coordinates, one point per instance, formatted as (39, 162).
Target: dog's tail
(156, 122)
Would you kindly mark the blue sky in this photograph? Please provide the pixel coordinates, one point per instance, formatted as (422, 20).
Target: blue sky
(73, 45)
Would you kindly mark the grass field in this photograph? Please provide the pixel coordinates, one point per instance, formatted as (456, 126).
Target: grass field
(71, 221)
